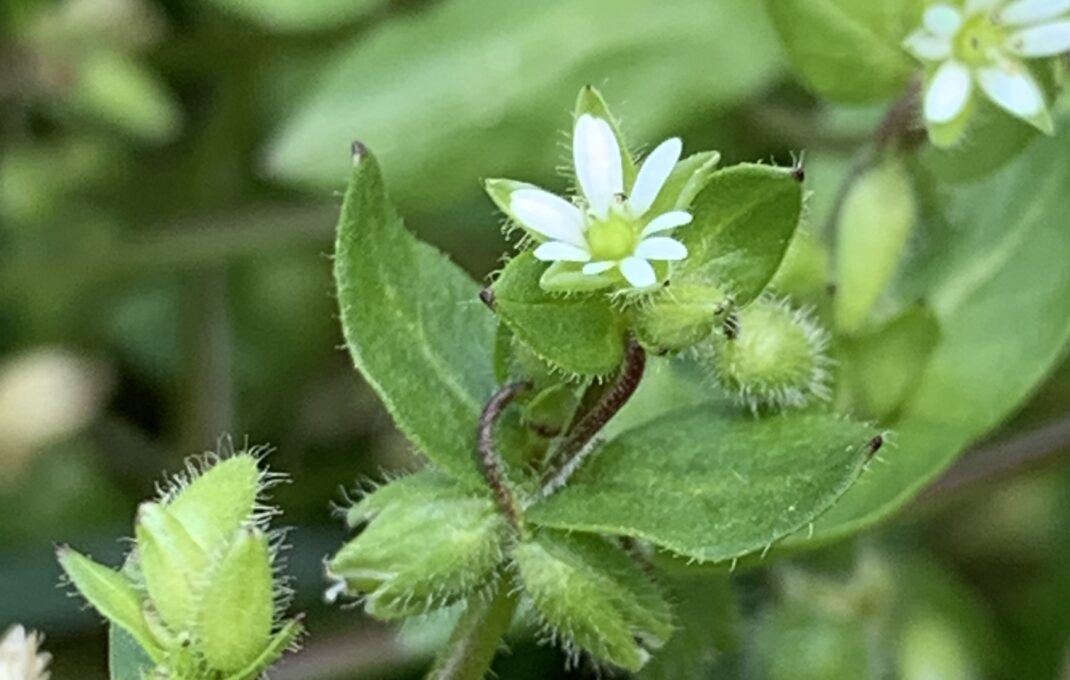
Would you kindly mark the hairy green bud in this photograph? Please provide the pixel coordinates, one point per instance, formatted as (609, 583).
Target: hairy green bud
(429, 543)
(679, 316)
(593, 597)
(771, 356)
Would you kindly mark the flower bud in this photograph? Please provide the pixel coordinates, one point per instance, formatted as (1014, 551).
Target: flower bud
(215, 502)
(429, 543)
(592, 595)
(238, 605)
(774, 358)
(678, 317)
(172, 564)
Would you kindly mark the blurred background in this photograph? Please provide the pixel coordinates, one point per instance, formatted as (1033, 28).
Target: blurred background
(170, 174)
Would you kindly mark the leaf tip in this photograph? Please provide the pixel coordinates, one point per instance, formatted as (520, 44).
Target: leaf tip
(359, 151)
(487, 296)
(798, 169)
(873, 446)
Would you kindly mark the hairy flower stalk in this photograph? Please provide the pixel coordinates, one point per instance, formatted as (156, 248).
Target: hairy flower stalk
(490, 462)
(21, 657)
(609, 234)
(983, 45)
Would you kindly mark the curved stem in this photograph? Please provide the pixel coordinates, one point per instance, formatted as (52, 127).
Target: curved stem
(489, 460)
(570, 454)
(476, 637)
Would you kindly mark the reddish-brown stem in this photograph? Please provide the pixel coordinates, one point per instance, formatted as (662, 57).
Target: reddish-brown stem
(490, 461)
(570, 453)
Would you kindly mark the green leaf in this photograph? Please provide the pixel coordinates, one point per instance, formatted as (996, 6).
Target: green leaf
(872, 230)
(848, 50)
(744, 220)
(1003, 326)
(484, 89)
(881, 370)
(594, 595)
(127, 660)
(712, 487)
(414, 325)
(111, 594)
(300, 15)
(125, 94)
(580, 333)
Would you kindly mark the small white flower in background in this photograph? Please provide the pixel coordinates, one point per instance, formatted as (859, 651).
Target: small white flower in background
(20, 657)
(611, 228)
(981, 45)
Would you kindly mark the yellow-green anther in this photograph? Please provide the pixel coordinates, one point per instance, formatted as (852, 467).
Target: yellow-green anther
(237, 608)
(173, 564)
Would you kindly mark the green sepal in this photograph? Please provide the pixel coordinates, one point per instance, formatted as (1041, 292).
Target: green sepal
(568, 277)
(549, 411)
(427, 545)
(594, 596)
(112, 594)
(581, 334)
(744, 220)
(501, 191)
(286, 638)
(684, 183)
(590, 101)
(172, 563)
(214, 504)
(677, 317)
(236, 612)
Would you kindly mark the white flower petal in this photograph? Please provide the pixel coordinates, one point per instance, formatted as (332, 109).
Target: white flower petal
(1045, 40)
(666, 221)
(661, 248)
(943, 19)
(948, 92)
(547, 214)
(638, 272)
(928, 46)
(1024, 12)
(596, 157)
(555, 251)
(1010, 86)
(598, 267)
(652, 175)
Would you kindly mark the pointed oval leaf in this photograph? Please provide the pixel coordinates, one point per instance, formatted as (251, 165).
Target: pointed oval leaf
(579, 333)
(413, 324)
(709, 486)
(744, 220)
(848, 50)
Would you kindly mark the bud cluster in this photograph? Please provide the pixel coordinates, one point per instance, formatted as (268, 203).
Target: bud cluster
(199, 592)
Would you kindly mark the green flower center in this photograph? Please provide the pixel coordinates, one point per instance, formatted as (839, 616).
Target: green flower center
(612, 239)
(978, 40)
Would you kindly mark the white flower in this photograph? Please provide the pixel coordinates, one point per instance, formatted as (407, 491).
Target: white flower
(20, 658)
(982, 44)
(611, 227)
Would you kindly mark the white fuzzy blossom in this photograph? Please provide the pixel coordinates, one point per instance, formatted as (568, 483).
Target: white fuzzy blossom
(981, 44)
(20, 656)
(610, 227)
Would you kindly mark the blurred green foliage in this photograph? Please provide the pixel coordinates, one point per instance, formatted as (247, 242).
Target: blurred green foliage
(168, 188)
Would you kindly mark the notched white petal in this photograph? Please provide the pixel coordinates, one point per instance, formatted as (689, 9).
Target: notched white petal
(1011, 87)
(943, 19)
(558, 251)
(547, 214)
(1025, 12)
(667, 221)
(596, 158)
(661, 248)
(928, 46)
(652, 175)
(598, 267)
(1045, 40)
(638, 272)
(948, 92)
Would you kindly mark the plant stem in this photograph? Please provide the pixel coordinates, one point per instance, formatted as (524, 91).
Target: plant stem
(489, 460)
(476, 637)
(575, 447)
